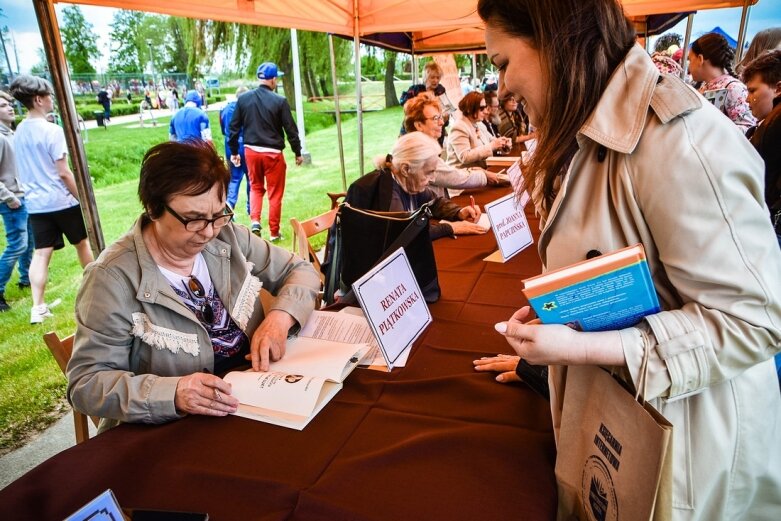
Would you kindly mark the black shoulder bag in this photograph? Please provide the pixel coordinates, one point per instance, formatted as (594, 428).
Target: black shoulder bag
(364, 238)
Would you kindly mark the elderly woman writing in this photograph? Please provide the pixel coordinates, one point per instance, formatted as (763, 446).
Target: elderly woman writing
(175, 301)
(603, 113)
(469, 143)
(422, 114)
(400, 183)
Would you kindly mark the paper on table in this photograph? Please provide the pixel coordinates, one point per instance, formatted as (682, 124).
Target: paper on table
(348, 325)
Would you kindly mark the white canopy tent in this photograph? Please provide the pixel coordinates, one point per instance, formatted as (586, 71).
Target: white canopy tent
(345, 17)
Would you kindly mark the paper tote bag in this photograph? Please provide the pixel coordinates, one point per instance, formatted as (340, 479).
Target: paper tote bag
(366, 237)
(614, 453)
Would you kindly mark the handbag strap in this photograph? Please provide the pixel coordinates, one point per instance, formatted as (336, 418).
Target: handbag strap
(418, 223)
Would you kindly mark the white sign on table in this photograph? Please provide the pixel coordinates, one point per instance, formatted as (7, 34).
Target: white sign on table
(394, 305)
(508, 221)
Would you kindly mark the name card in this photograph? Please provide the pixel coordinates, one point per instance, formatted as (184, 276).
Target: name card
(508, 221)
(103, 508)
(393, 304)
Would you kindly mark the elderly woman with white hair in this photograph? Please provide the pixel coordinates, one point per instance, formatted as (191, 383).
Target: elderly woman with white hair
(400, 183)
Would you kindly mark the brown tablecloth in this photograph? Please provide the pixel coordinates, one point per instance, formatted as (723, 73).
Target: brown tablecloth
(434, 440)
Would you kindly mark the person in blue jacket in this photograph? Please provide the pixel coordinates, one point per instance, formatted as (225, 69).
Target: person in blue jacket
(237, 172)
(191, 122)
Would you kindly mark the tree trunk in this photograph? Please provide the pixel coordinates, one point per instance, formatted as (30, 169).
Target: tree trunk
(314, 91)
(391, 98)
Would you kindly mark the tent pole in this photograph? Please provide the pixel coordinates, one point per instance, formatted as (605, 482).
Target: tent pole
(686, 40)
(474, 69)
(358, 95)
(414, 69)
(336, 109)
(742, 33)
(52, 44)
(299, 97)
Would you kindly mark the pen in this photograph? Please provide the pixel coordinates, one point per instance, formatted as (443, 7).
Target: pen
(472, 202)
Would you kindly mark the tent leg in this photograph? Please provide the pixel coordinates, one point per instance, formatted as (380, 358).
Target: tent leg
(686, 40)
(742, 33)
(299, 96)
(358, 95)
(336, 108)
(52, 44)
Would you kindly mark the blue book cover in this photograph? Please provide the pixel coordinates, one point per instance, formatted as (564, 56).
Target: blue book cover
(609, 292)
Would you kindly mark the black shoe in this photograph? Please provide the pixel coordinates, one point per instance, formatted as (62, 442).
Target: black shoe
(23, 285)
(3, 304)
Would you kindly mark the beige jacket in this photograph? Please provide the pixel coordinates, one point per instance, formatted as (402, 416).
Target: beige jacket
(135, 337)
(468, 144)
(658, 166)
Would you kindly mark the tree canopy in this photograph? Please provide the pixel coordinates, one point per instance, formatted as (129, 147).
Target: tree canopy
(79, 41)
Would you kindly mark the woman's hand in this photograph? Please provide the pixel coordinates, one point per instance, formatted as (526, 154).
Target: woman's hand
(203, 393)
(490, 178)
(467, 228)
(498, 143)
(269, 340)
(556, 344)
(503, 364)
(470, 213)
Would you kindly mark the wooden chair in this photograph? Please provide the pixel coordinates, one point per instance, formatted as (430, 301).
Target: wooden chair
(62, 350)
(303, 230)
(335, 198)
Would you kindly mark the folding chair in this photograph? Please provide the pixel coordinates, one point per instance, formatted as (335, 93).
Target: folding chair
(334, 197)
(62, 350)
(303, 230)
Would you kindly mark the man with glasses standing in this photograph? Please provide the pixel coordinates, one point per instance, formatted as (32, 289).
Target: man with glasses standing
(263, 115)
(50, 189)
(175, 302)
(18, 235)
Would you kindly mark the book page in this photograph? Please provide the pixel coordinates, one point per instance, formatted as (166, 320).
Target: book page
(319, 357)
(275, 391)
(287, 419)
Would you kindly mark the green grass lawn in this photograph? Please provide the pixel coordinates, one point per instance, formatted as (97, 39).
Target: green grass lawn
(32, 388)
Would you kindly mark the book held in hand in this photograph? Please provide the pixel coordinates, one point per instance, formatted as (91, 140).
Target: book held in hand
(299, 385)
(609, 292)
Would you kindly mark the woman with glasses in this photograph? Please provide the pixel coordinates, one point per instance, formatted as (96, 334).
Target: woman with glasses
(175, 301)
(469, 143)
(513, 122)
(628, 155)
(423, 114)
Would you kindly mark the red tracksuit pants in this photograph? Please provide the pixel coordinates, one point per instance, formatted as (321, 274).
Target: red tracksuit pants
(266, 175)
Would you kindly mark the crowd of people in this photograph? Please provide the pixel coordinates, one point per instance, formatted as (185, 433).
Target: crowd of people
(689, 170)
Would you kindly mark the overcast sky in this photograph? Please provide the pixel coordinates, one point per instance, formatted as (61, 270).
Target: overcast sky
(20, 18)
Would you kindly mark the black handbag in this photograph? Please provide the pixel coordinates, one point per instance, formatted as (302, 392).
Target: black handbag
(365, 237)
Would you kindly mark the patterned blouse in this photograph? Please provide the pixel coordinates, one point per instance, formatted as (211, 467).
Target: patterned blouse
(736, 105)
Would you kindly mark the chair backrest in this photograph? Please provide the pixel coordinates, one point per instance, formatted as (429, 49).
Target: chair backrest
(335, 198)
(303, 230)
(62, 351)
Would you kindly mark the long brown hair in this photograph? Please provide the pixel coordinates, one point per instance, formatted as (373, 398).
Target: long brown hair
(581, 42)
(715, 48)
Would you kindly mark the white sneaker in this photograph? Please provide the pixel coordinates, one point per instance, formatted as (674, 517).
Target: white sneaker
(39, 313)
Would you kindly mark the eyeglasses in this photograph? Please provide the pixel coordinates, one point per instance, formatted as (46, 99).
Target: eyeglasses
(197, 290)
(196, 225)
(483, 107)
(437, 117)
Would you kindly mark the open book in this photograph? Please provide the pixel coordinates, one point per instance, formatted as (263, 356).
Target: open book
(297, 387)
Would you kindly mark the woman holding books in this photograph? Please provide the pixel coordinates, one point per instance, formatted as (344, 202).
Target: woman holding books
(603, 113)
(175, 301)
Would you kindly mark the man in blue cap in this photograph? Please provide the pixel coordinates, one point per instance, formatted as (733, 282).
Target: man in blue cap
(191, 122)
(262, 115)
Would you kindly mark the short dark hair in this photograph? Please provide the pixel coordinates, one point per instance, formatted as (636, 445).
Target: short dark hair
(767, 66)
(470, 103)
(25, 88)
(179, 168)
(490, 95)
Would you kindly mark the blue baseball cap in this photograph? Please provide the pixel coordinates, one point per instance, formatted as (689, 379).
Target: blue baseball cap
(268, 71)
(192, 95)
